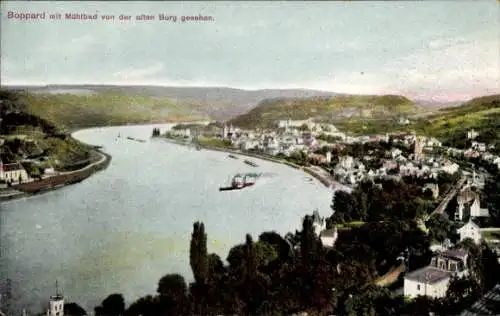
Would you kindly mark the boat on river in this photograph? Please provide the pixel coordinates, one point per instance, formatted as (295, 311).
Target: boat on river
(136, 139)
(233, 156)
(250, 163)
(241, 181)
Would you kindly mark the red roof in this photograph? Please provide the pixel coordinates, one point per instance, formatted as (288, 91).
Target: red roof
(12, 167)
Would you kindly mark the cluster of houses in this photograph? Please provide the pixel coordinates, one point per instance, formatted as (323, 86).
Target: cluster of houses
(477, 150)
(448, 261)
(291, 136)
(12, 173)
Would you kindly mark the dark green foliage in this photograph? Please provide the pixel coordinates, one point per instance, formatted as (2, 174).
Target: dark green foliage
(73, 309)
(440, 228)
(198, 257)
(394, 201)
(309, 242)
(113, 305)
(492, 192)
(156, 132)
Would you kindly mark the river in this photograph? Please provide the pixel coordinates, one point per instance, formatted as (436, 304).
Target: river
(124, 228)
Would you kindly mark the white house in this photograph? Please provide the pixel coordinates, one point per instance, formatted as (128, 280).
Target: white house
(434, 279)
(328, 237)
(428, 281)
(450, 168)
(346, 162)
(470, 230)
(472, 134)
(12, 172)
(479, 146)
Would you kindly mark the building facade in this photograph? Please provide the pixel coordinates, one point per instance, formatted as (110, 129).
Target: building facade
(12, 172)
(433, 280)
(470, 230)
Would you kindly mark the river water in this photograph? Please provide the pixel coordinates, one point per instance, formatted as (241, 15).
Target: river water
(122, 229)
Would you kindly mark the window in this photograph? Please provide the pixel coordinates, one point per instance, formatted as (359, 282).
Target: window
(418, 287)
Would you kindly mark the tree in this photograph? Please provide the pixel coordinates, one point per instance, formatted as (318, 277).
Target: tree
(461, 293)
(73, 309)
(172, 290)
(281, 246)
(113, 305)
(144, 306)
(309, 242)
(440, 227)
(344, 204)
(172, 285)
(198, 257)
(492, 192)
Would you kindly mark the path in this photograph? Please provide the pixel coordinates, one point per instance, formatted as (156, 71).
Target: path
(444, 203)
(103, 158)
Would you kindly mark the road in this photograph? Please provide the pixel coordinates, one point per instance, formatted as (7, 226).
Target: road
(103, 158)
(444, 203)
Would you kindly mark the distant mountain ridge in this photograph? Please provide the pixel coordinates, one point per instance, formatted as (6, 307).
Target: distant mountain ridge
(218, 102)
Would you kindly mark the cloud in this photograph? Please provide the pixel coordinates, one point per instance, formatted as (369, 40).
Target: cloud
(461, 67)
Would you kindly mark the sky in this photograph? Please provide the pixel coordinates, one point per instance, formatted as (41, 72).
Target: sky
(431, 50)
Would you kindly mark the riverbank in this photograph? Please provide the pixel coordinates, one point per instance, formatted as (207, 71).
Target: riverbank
(326, 181)
(57, 181)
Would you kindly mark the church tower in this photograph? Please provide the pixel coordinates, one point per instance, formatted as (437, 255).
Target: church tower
(56, 304)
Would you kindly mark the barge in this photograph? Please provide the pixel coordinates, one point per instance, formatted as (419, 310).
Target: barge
(136, 139)
(250, 163)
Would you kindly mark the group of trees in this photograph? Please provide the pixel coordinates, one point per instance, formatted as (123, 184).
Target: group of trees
(492, 193)
(390, 200)
(156, 132)
(278, 276)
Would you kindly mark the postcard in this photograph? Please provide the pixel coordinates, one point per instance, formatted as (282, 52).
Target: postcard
(249, 158)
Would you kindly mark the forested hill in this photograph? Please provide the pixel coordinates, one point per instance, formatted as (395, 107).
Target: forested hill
(327, 109)
(451, 124)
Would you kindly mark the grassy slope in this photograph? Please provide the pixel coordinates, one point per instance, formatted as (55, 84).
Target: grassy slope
(107, 109)
(326, 108)
(481, 114)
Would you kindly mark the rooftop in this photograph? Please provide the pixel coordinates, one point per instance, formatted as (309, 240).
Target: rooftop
(455, 253)
(56, 297)
(428, 275)
(12, 167)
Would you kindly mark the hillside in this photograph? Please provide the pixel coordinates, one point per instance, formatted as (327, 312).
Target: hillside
(218, 103)
(333, 109)
(35, 141)
(451, 124)
(109, 108)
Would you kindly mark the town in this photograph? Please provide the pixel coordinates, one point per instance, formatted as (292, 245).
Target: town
(347, 161)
